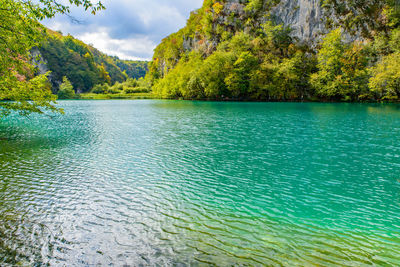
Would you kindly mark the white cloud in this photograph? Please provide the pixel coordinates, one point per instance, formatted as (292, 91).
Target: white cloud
(123, 48)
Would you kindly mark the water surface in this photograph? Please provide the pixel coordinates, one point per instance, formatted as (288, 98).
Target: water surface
(153, 182)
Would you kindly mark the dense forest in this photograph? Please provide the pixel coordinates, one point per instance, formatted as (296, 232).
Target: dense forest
(238, 50)
(83, 65)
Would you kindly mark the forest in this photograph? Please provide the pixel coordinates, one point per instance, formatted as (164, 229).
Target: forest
(83, 65)
(239, 52)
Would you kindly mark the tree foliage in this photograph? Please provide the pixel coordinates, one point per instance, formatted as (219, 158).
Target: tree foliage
(84, 65)
(66, 90)
(385, 80)
(20, 30)
(366, 17)
(235, 50)
(130, 86)
(342, 68)
(266, 66)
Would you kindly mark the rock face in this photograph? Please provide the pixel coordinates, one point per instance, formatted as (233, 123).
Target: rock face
(41, 64)
(38, 61)
(304, 16)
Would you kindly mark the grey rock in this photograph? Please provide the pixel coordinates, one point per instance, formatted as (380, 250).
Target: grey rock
(38, 61)
(304, 16)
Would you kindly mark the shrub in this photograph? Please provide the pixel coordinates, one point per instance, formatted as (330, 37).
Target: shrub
(100, 89)
(131, 90)
(113, 90)
(66, 90)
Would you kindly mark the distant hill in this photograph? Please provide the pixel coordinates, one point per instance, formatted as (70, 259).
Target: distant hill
(82, 64)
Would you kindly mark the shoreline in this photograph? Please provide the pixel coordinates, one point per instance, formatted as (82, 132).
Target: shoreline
(150, 96)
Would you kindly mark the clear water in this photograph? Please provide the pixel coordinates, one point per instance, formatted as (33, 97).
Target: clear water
(195, 183)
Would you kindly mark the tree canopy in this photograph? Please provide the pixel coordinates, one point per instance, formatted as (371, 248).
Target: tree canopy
(237, 51)
(66, 90)
(20, 30)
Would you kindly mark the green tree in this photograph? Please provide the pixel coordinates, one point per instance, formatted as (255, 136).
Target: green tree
(20, 31)
(342, 68)
(277, 38)
(66, 90)
(238, 81)
(385, 80)
(104, 74)
(213, 72)
(100, 88)
(291, 77)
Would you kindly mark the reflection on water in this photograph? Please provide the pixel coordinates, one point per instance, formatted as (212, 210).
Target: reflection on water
(179, 182)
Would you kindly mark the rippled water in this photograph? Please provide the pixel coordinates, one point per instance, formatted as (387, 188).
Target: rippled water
(195, 183)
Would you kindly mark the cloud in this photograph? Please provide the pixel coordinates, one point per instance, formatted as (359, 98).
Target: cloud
(136, 48)
(129, 29)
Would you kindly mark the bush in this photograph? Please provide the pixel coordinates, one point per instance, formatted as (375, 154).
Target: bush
(131, 90)
(118, 87)
(113, 90)
(131, 82)
(66, 90)
(100, 89)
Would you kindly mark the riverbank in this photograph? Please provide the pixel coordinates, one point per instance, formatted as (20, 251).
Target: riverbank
(92, 96)
(149, 95)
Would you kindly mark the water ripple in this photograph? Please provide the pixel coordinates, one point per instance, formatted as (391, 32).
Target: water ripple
(176, 183)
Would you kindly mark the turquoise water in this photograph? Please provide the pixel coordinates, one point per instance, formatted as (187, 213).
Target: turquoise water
(196, 183)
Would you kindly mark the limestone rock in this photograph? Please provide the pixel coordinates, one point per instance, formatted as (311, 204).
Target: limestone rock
(304, 16)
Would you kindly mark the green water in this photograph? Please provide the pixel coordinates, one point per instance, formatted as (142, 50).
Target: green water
(196, 183)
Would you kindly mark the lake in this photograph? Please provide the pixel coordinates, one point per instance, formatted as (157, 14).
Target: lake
(152, 182)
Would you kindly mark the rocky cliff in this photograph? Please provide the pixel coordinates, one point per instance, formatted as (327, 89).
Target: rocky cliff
(304, 16)
(38, 61)
(218, 20)
(279, 50)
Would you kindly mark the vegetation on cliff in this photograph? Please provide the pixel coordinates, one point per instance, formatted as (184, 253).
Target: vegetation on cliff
(236, 50)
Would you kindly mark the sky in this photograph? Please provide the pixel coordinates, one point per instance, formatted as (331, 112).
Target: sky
(129, 29)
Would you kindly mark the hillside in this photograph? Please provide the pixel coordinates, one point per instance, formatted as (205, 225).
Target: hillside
(283, 50)
(82, 64)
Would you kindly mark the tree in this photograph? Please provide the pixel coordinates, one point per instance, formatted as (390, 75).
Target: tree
(20, 30)
(100, 88)
(385, 80)
(342, 68)
(238, 81)
(214, 70)
(66, 90)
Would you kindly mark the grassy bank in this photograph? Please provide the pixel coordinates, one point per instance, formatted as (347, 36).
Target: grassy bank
(92, 96)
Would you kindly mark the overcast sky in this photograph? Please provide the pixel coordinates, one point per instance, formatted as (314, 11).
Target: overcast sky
(129, 29)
